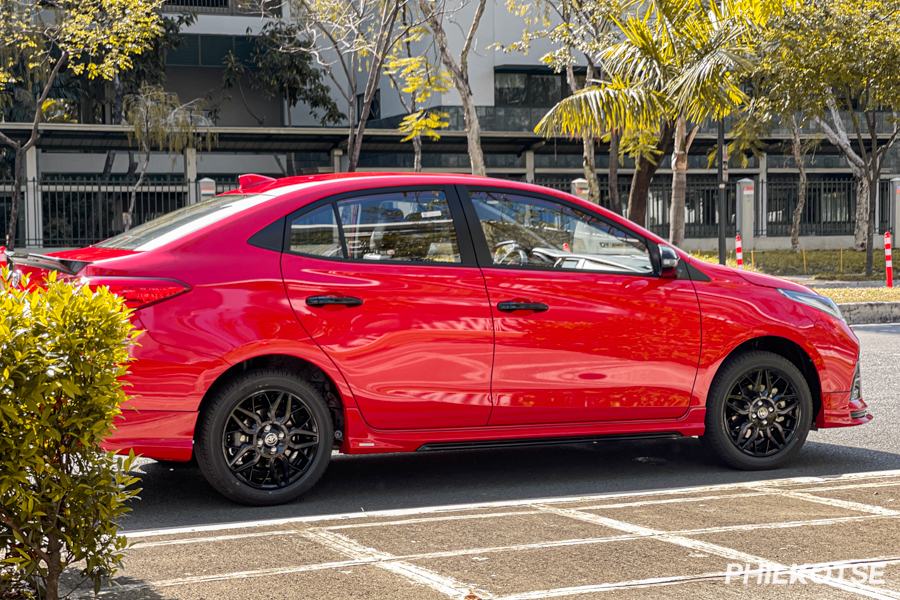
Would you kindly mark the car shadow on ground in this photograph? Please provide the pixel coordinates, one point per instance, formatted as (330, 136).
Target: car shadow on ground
(177, 495)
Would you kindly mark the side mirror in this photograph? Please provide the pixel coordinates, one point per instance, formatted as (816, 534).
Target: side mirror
(668, 260)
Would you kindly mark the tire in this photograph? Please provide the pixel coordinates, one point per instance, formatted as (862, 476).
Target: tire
(275, 456)
(752, 429)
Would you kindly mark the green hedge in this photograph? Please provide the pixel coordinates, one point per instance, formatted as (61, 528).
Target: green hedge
(63, 350)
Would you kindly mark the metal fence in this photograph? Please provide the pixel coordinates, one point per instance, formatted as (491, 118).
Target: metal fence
(700, 203)
(830, 207)
(81, 213)
(226, 7)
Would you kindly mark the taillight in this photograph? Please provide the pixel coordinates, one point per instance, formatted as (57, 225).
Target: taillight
(139, 292)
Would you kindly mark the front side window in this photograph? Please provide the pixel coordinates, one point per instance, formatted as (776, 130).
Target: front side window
(413, 226)
(523, 231)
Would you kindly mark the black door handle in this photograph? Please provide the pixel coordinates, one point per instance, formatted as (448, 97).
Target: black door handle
(331, 300)
(512, 306)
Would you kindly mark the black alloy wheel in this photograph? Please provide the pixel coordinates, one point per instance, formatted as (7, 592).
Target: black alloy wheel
(265, 439)
(270, 439)
(758, 411)
(762, 413)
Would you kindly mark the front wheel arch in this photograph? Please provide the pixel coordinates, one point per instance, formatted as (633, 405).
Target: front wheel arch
(792, 352)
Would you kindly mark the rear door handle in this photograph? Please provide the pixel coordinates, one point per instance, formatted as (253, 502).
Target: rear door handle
(333, 300)
(513, 306)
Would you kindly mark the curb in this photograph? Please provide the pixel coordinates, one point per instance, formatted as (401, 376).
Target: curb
(865, 313)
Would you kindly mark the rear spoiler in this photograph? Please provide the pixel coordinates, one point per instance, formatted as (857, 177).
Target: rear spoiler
(48, 263)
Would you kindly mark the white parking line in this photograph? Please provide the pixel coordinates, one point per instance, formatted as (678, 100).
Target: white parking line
(680, 579)
(868, 508)
(413, 573)
(139, 545)
(714, 549)
(750, 486)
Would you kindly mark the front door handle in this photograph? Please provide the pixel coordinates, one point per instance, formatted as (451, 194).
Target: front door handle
(513, 306)
(333, 300)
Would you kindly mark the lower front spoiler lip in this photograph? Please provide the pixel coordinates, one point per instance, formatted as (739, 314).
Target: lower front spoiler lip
(859, 414)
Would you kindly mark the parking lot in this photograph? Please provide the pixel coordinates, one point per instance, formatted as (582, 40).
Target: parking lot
(641, 520)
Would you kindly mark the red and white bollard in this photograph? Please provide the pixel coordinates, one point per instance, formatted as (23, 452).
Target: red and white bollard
(739, 251)
(2, 256)
(887, 259)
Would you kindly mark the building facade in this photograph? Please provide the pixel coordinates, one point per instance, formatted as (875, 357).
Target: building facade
(66, 205)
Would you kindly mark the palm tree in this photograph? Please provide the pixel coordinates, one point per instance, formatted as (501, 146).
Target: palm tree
(678, 64)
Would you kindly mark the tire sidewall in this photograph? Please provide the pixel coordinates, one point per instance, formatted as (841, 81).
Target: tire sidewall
(717, 437)
(212, 424)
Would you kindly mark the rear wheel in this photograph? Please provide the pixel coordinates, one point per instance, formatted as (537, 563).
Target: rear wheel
(265, 438)
(758, 412)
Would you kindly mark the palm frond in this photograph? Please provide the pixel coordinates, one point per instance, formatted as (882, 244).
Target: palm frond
(598, 109)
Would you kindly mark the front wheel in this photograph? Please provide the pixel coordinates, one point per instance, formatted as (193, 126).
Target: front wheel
(265, 438)
(758, 412)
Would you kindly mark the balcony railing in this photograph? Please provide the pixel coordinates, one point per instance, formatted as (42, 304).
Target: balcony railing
(226, 7)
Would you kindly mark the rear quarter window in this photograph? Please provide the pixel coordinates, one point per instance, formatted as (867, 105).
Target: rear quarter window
(175, 225)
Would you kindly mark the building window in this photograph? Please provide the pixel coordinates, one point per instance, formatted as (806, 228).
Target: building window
(543, 89)
(374, 111)
(210, 50)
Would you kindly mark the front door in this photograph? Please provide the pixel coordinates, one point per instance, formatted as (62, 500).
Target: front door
(383, 284)
(585, 329)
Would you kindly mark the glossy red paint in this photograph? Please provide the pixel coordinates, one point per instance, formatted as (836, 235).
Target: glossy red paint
(577, 362)
(417, 352)
(429, 359)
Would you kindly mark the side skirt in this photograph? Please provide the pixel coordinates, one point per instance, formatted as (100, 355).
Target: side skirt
(436, 447)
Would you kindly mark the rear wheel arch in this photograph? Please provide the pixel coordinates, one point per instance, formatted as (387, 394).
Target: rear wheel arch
(309, 372)
(792, 352)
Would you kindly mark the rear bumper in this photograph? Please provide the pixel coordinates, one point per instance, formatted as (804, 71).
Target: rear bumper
(158, 434)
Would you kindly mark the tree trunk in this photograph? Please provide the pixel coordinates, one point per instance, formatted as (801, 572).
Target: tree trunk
(291, 156)
(797, 150)
(129, 216)
(615, 202)
(683, 140)
(860, 233)
(16, 200)
(54, 566)
(101, 197)
(417, 157)
(473, 132)
(590, 170)
(676, 212)
(870, 228)
(643, 175)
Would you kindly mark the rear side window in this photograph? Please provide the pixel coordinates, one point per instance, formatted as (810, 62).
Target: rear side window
(316, 233)
(411, 226)
(177, 224)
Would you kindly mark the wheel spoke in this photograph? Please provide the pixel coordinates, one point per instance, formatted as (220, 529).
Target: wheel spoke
(787, 409)
(250, 414)
(273, 407)
(287, 411)
(244, 427)
(750, 438)
(241, 453)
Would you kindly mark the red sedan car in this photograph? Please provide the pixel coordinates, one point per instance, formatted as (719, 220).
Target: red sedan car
(399, 313)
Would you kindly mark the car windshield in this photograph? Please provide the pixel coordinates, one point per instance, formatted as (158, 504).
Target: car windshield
(177, 224)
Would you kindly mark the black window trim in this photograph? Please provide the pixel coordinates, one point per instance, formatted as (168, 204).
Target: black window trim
(483, 252)
(463, 238)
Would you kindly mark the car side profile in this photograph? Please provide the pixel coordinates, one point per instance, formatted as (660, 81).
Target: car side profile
(373, 313)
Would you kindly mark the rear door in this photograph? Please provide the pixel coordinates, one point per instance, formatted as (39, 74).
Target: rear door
(385, 281)
(585, 329)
